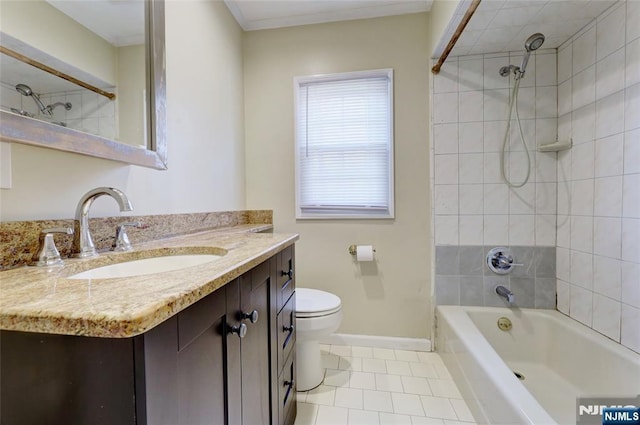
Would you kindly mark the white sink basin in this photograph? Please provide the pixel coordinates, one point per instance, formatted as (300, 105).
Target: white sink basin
(146, 266)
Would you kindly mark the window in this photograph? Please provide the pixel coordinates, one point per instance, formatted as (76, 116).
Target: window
(344, 145)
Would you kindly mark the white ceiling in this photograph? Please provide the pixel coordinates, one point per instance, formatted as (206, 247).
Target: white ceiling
(265, 14)
(504, 25)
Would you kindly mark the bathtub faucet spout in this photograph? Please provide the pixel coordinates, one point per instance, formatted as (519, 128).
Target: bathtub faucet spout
(506, 293)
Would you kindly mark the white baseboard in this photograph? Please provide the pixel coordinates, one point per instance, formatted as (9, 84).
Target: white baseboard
(414, 344)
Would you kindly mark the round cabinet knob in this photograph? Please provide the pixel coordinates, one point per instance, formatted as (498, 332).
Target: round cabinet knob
(253, 316)
(240, 330)
(288, 273)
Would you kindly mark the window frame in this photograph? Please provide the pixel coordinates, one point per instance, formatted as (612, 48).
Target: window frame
(345, 213)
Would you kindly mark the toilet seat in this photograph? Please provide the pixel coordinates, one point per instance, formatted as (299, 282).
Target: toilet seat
(315, 303)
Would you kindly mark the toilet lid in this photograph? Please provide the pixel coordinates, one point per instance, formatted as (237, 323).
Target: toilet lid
(312, 302)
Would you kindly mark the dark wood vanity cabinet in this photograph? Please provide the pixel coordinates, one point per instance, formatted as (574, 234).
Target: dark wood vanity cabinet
(227, 359)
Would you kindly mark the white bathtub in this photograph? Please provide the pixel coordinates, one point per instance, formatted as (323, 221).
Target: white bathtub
(560, 359)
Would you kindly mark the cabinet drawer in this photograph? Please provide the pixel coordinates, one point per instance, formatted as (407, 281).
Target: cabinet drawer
(286, 331)
(285, 276)
(287, 389)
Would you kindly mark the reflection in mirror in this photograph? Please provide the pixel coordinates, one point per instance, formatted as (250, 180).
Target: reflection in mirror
(74, 80)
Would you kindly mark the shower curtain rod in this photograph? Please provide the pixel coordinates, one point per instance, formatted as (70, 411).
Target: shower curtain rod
(55, 72)
(456, 35)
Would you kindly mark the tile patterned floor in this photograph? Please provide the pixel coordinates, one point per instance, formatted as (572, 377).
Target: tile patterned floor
(376, 386)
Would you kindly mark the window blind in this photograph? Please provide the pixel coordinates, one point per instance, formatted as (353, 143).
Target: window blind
(344, 146)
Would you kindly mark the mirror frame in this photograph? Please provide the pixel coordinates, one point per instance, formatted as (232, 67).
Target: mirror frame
(29, 131)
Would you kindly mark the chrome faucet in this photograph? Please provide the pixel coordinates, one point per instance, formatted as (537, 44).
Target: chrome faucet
(506, 293)
(83, 246)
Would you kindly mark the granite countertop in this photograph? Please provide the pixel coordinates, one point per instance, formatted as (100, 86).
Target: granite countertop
(35, 299)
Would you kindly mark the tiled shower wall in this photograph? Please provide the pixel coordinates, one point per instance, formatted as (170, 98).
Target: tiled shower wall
(473, 209)
(598, 237)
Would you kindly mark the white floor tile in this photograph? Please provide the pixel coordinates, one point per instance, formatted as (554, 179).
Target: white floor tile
(442, 371)
(350, 363)
(306, 414)
(444, 388)
(325, 348)
(349, 397)
(424, 370)
(337, 378)
(363, 417)
(323, 394)
(341, 350)
(407, 356)
(363, 352)
(438, 407)
(330, 361)
(362, 380)
(421, 420)
(301, 396)
(429, 357)
(397, 367)
(379, 401)
(407, 404)
(394, 419)
(384, 353)
(374, 365)
(462, 410)
(329, 415)
(447, 422)
(416, 385)
(385, 382)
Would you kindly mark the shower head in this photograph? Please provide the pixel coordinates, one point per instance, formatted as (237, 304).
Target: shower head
(25, 90)
(533, 43)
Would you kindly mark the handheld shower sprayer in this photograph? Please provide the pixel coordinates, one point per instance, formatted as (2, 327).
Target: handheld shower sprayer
(25, 90)
(533, 43)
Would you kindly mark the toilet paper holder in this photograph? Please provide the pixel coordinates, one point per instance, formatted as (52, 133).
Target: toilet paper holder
(353, 249)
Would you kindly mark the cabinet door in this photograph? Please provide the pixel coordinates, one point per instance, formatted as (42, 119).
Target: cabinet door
(201, 362)
(255, 346)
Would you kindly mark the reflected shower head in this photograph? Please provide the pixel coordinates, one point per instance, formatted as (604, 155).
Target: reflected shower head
(25, 90)
(533, 43)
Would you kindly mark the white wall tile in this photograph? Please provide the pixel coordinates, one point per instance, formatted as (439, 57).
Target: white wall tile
(545, 198)
(545, 166)
(583, 161)
(563, 237)
(608, 197)
(545, 230)
(584, 50)
(446, 199)
(471, 229)
(565, 63)
(491, 168)
(471, 199)
(631, 239)
(446, 169)
(632, 151)
(606, 316)
(492, 78)
(522, 200)
(546, 102)
(582, 269)
(582, 233)
(563, 264)
(607, 276)
(610, 74)
(471, 137)
(607, 236)
(610, 115)
(582, 193)
(581, 305)
(446, 109)
(631, 108)
(494, 135)
(470, 74)
(446, 229)
(633, 20)
(470, 168)
(563, 290)
(496, 199)
(527, 102)
(583, 128)
(610, 34)
(631, 196)
(546, 132)
(522, 230)
(584, 87)
(565, 97)
(546, 70)
(518, 167)
(494, 229)
(470, 106)
(496, 104)
(446, 80)
(630, 283)
(630, 327)
(445, 138)
(609, 155)
(632, 73)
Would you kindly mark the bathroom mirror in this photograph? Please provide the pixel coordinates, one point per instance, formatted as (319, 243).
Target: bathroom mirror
(144, 146)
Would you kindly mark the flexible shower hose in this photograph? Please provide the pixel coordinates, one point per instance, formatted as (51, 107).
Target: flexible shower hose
(514, 101)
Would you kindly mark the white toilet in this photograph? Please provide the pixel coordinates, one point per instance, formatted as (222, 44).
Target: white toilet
(318, 314)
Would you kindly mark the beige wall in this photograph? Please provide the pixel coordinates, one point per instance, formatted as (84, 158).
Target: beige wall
(131, 96)
(205, 135)
(440, 14)
(390, 297)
